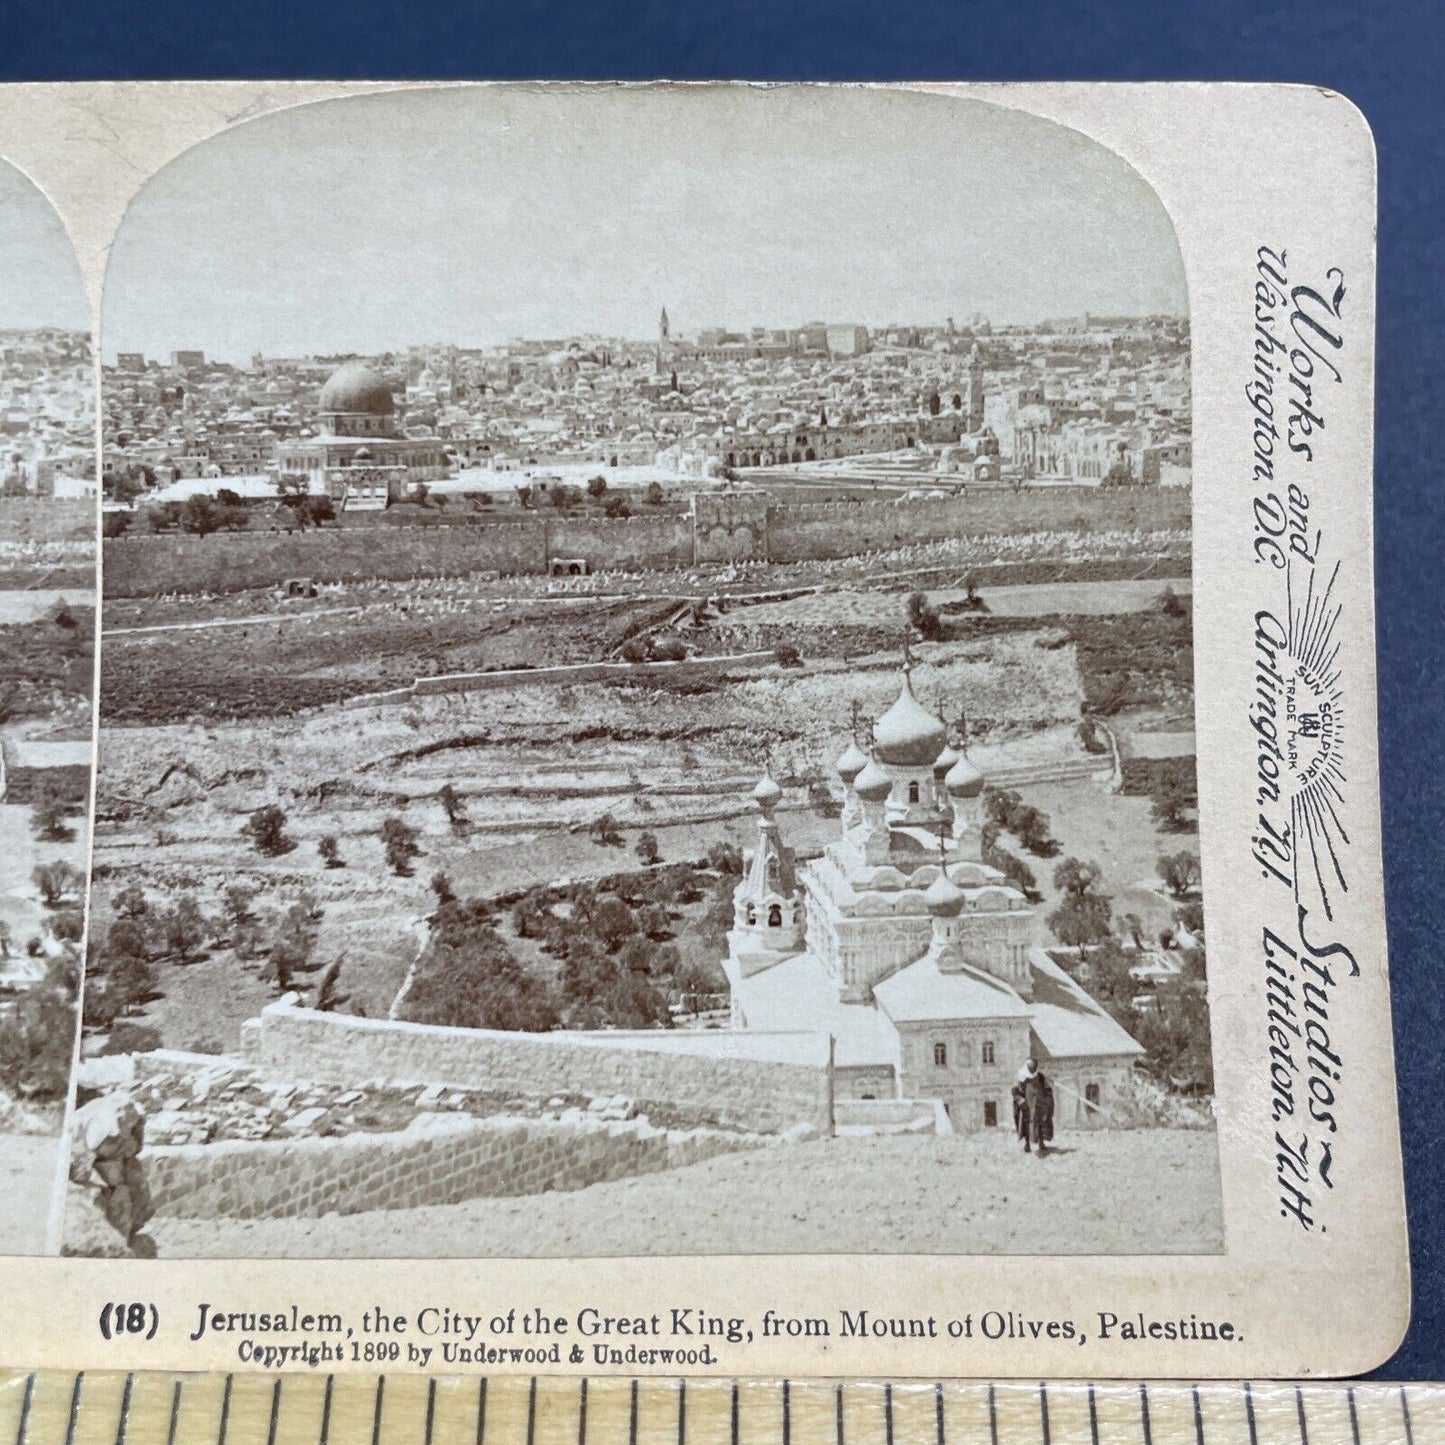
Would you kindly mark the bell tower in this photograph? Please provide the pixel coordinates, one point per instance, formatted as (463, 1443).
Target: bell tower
(767, 910)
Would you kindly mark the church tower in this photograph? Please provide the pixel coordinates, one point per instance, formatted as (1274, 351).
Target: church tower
(767, 911)
(662, 357)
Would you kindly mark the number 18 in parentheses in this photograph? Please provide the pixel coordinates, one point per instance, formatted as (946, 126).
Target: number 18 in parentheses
(135, 1318)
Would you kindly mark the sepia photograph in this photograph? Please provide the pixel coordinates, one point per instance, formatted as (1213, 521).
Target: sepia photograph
(647, 697)
(47, 665)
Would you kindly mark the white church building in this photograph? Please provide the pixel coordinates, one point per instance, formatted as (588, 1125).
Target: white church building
(923, 964)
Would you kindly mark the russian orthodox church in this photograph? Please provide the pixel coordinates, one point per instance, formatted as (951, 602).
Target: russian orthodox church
(924, 965)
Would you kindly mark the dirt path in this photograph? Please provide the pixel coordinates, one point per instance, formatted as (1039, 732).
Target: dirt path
(1125, 1192)
(27, 1176)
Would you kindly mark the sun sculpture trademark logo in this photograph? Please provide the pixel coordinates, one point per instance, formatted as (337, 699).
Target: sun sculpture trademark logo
(1314, 733)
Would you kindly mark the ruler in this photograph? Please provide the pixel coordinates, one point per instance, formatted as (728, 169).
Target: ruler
(114, 1408)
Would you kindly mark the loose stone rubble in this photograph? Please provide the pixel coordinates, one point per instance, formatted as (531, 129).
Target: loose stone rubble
(108, 1200)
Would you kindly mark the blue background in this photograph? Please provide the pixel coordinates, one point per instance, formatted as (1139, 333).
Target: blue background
(1386, 57)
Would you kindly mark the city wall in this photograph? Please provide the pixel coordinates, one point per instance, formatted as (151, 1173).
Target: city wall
(47, 519)
(142, 566)
(814, 531)
(440, 1159)
(234, 561)
(628, 542)
(764, 1083)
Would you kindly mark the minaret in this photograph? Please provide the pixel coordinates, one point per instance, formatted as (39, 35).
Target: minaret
(973, 392)
(663, 354)
(767, 912)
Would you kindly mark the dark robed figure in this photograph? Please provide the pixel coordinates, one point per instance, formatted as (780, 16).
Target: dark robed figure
(1033, 1099)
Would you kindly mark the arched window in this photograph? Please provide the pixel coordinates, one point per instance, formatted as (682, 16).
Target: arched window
(940, 1056)
(1091, 1093)
(913, 792)
(775, 915)
(988, 1051)
(752, 915)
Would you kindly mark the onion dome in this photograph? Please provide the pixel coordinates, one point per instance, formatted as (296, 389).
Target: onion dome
(873, 785)
(908, 735)
(851, 761)
(355, 388)
(767, 793)
(963, 780)
(945, 760)
(944, 898)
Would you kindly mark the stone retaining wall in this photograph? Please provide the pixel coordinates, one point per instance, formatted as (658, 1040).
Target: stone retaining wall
(440, 1159)
(892, 1116)
(755, 1081)
(145, 566)
(47, 519)
(574, 673)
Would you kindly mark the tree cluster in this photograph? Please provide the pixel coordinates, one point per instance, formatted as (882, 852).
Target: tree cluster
(1031, 826)
(923, 618)
(399, 839)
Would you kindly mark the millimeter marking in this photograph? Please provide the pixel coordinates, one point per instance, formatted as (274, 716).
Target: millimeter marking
(25, 1404)
(115, 1408)
(176, 1411)
(123, 1423)
(74, 1419)
(376, 1411)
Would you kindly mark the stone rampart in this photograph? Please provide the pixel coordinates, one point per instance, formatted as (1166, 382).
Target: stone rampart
(626, 542)
(47, 519)
(813, 531)
(760, 1082)
(235, 561)
(438, 1160)
(145, 566)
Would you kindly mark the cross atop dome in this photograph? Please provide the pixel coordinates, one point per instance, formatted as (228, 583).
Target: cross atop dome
(908, 735)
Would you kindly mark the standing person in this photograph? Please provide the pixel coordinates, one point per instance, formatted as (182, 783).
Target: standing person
(1033, 1099)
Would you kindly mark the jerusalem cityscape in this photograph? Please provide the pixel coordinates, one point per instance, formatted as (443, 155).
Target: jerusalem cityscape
(810, 709)
(590, 760)
(47, 660)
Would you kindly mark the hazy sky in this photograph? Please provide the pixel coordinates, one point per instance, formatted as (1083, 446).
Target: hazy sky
(40, 281)
(474, 215)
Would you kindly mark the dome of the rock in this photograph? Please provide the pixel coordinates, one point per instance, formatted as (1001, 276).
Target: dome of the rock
(356, 389)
